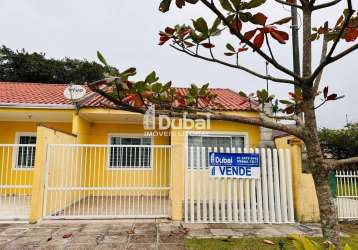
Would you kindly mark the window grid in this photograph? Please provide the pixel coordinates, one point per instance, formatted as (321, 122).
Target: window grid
(211, 141)
(131, 156)
(25, 157)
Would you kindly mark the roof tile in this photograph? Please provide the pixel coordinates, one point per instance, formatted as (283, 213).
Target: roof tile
(44, 93)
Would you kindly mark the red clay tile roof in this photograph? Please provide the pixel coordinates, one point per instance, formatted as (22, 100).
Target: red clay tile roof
(43, 93)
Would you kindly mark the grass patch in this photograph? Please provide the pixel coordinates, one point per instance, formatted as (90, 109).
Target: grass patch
(253, 243)
(258, 243)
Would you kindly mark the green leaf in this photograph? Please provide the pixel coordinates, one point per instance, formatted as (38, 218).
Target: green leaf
(215, 26)
(129, 72)
(226, 5)
(204, 89)
(192, 1)
(242, 94)
(152, 77)
(201, 25)
(236, 4)
(230, 47)
(245, 16)
(286, 102)
(282, 21)
(252, 4)
(346, 247)
(101, 58)
(165, 5)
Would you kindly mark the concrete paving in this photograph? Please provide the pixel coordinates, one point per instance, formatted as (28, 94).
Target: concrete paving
(92, 235)
(132, 234)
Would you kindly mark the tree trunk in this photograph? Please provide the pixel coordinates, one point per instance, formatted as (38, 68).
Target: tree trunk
(319, 169)
(327, 208)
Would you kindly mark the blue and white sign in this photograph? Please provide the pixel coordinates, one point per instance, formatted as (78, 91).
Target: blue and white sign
(230, 165)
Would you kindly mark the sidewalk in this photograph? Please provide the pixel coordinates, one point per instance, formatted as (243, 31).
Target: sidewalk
(141, 234)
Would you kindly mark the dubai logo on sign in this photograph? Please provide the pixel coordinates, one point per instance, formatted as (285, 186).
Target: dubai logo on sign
(230, 165)
(74, 92)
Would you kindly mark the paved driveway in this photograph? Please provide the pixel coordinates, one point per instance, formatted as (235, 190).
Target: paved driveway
(92, 235)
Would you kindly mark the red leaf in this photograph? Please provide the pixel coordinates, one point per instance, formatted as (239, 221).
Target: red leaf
(186, 31)
(325, 92)
(332, 97)
(208, 45)
(289, 110)
(351, 34)
(280, 36)
(295, 97)
(235, 26)
(250, 34)
(259, 18)
(163, 39)
(243, 49)
(259, 40)
(138, 101)
(129, 98)
(169, 30)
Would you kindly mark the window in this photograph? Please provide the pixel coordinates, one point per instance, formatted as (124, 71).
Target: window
(126, 155)
(25, 153)
(218, 141)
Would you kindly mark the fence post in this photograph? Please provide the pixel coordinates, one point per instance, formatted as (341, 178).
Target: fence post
(304, 192)
(177, 175)
(38, 175)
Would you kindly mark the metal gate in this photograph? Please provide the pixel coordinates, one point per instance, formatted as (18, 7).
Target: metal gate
(347, 194)
(226, 200)
(107, 181)
(16, 171)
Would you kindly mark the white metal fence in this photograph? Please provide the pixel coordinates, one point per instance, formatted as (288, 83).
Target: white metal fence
(16, 169)
(347, 194)
(265, 200)
(107, 181)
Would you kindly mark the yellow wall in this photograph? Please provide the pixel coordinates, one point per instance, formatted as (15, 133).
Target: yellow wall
(8, 174)
(99, 175)
(56, 171)
(178, 140)
(304, 191)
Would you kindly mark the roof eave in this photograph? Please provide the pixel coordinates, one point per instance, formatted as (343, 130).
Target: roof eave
(37, 106)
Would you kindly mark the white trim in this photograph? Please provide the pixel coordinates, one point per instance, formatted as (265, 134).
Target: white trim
(16, 152)
(131, 135)
(37, 106)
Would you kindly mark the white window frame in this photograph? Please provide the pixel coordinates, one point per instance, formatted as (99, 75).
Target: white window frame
(133, 168)
(15, 152)
(213, 134)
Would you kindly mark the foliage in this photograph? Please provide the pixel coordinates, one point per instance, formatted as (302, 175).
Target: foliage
(303, 243)
(151, 91)
(340, 143)
(22, 66)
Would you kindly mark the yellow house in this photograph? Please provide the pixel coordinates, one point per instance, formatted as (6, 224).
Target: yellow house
(86, 160)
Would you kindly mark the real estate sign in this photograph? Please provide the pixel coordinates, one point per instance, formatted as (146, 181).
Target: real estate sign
(234, 165)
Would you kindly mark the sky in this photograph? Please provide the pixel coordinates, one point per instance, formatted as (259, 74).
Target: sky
(126, 32)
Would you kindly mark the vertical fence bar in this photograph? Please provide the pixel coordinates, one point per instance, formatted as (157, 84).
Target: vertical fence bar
(277, 188)
(205, 176)
(291, 216)
(211, 208)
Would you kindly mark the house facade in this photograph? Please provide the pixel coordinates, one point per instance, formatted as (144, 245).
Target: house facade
(60, 160)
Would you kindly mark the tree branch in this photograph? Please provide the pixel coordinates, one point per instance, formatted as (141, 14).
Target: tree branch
(278, 66)
(236, 66)
(329, 59)
(326, 5)
(343, 163)
(289, 4)
(296, 131)
(323, 56)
